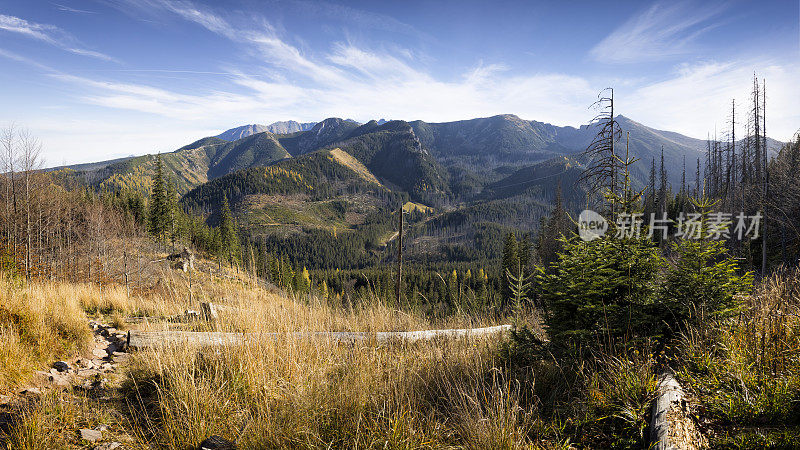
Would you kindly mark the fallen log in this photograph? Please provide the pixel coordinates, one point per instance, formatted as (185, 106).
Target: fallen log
(145, 339)
(671, 427)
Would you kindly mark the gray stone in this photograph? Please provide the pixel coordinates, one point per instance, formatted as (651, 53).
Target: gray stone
(113, 348)
(31, 391)
(106, 367)
(99, 353)
(94, 384)
(61, 366)
(91, 435)
(85, 363)
(59, 380)
(86, 373)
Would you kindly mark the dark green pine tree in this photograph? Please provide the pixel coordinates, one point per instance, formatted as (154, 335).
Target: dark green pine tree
(650, 199)
(158, 216)
(510, 263)
(663, 187)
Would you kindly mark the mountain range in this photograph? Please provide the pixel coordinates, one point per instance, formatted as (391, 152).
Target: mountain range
(293, 179)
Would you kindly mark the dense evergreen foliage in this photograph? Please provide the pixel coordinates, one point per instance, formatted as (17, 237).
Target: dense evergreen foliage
(600, 292)
(158, 215)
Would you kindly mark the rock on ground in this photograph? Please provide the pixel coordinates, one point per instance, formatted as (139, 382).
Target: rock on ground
(61, 366)
(217, 443)
(91, 435)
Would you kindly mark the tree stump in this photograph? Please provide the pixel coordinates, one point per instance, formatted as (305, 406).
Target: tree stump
(209, 311)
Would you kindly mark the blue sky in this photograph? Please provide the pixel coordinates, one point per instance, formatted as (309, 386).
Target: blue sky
(98, 79)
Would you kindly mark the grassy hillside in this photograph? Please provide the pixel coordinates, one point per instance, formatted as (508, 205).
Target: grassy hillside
(319, 175)
(394, 154)
(191, 165)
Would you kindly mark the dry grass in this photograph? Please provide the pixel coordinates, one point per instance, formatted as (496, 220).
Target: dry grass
(270, 393)
(39, 322)
(319, 394)
(746, 371)
(54, 419)
(294, 392)
(291, 392)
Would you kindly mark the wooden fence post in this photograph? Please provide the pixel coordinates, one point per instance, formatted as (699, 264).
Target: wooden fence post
(208, 311)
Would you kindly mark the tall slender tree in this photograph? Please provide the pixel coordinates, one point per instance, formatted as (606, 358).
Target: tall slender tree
(510, 263)
(158, 216)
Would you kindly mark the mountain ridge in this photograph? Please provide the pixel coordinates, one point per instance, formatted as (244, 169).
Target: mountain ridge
(282, 127)
(470, 153)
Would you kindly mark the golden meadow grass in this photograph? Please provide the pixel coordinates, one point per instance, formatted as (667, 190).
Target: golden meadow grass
(317, 393)
(746, 371)
(277, 392)
(38, 323)
(291, 392)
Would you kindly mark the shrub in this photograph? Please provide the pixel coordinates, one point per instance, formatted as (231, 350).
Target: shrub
(599, 291)
(703, 281)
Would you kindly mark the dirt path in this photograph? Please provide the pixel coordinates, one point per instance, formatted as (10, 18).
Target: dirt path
(89, 374)
(106, 354)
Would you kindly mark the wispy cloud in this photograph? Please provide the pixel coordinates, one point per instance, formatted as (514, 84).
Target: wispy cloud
(411, 94)
(283, 81)
(661, 31)
(49, 34)
(19, 58)
(697, 97)
(348, 80)
(260, 36)
(66, 8)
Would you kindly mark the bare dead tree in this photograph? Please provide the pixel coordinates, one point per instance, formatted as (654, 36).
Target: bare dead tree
(10, 142)
(732, 169)
(602, 171)
(31, 161)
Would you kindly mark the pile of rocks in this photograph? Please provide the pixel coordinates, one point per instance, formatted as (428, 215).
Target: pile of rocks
(107, 352)
(90, 373)
(95, 435)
